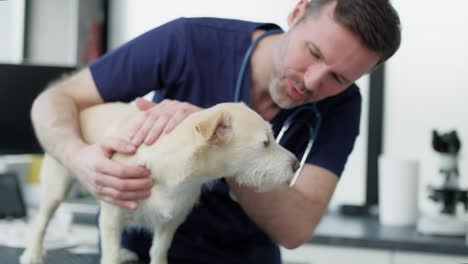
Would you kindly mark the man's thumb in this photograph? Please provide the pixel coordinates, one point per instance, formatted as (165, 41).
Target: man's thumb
(144, 104)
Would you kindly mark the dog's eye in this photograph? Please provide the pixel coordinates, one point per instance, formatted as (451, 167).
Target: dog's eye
(266, 143)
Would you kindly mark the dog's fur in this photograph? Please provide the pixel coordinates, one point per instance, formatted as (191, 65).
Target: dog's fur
(226, 140)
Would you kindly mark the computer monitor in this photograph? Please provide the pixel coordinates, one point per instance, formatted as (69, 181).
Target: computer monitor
(19, 86)
(12, 205)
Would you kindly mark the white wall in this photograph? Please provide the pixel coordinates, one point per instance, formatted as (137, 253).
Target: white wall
(53, 32)
(427, 83)
(131, 18)
(11, 31)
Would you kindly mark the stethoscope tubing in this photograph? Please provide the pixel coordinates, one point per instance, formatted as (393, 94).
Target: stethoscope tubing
(313, 132)
(246, 60)
(290, 119)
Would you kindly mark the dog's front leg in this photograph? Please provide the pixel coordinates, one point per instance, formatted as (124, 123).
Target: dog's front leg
(162, 239)
(111, 221)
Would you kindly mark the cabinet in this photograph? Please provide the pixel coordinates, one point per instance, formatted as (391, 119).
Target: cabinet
(64, 32)
(411, 258)
(318, 254)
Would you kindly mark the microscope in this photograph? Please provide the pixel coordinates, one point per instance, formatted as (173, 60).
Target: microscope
(448, 196)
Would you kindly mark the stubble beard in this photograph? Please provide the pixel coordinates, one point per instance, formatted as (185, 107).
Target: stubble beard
(281, 100)
(278, 91)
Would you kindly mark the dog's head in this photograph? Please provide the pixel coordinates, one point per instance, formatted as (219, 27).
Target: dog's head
(234, 140)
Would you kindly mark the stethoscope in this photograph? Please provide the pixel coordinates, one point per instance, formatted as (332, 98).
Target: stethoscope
(313, 131)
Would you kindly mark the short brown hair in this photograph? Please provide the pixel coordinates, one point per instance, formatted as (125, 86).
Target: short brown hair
(376, 22)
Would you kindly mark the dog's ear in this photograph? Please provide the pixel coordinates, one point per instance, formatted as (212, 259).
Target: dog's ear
(216, 128)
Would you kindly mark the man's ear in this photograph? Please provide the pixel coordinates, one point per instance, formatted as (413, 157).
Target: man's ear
(216, 129)
(297, 12)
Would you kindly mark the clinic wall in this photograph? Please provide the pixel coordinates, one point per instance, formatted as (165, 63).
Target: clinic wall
(129, 19)
(11, 30)
(427, 84)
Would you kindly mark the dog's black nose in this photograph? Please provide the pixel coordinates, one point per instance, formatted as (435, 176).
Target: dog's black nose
(296, 165)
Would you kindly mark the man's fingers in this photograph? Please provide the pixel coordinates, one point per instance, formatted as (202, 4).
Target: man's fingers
(130, 185)
(124, 193)
(142, 133)
(123, 199)
(118, 195)
(119, 145)
(118, 170)
(156, 130)
(175, 120)
(155, 121)
(137, 126)
(144, 104)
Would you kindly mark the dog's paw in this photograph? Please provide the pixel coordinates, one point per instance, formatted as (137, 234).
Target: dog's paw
(127, 256)
(29, 258)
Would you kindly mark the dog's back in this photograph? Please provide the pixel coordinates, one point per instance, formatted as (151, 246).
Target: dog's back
(111, 119)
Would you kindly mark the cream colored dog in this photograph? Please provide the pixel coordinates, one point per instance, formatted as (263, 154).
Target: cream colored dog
(228, 139)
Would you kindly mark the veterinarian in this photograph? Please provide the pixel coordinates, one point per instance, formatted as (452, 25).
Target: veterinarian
(194, 63)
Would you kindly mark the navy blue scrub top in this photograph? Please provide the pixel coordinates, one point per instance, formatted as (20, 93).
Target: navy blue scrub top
(197, 60)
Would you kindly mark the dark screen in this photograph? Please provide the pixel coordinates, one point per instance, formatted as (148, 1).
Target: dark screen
(11, 204)
(19, 86)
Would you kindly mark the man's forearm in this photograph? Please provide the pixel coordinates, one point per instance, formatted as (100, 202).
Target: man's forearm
(289, 215)
(56, 123)
(282, 213)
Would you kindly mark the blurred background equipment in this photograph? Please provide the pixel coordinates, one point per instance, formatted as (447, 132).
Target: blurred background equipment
(451, 200)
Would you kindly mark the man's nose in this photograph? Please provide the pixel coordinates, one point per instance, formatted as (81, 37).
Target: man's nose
(314, 78)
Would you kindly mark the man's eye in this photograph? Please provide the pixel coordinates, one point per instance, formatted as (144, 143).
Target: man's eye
(337, 79)
(313, 52)
(266, 143)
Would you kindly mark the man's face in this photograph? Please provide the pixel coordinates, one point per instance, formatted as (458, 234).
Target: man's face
(316, 59)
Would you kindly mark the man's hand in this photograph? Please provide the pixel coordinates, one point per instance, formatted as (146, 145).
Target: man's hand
(158, 118)
(109, 180)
